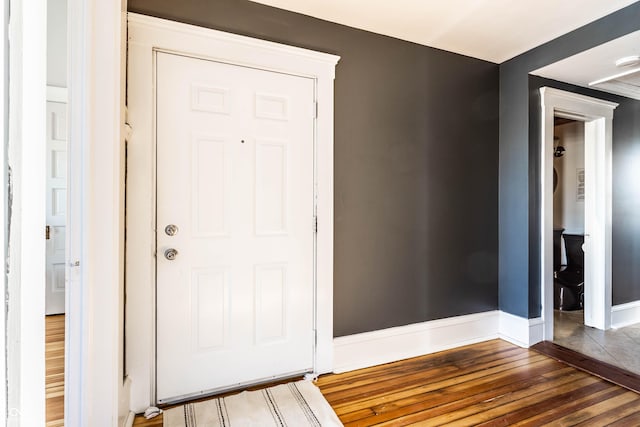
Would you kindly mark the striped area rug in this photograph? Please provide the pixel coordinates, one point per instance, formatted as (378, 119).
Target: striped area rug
(296, 404)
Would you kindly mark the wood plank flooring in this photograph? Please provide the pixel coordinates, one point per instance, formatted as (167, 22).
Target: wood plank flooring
(54, 365)
(493, 383)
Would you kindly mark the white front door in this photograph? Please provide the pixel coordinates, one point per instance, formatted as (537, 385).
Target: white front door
(235, 239)
(56, 205)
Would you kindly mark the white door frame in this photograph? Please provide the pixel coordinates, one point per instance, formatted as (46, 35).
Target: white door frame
(25, 251)
(93, 380)
(4, 125)
(597, 116)
(95, 389)
(147, 35)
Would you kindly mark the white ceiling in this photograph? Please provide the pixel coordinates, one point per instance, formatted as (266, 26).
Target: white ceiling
(599, 63)
(493, 30)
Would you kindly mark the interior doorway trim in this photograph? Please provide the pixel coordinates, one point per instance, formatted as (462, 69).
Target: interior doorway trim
(597, 116)
(146, 36)
(23, 190)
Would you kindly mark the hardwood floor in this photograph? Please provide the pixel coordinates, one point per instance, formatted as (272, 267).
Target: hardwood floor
(54, 365)
(490, 384)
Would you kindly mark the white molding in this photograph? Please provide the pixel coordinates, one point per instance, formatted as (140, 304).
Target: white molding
(57, 94)
(128, 422)
(149, 28)
(625, 314)
(367, 349)
(125, 415)
(597, 115)
(389, 345)
(520, 331)
(93, 341)
(146, 36)
(23, 268)
(577, 105)
(74, 335)
(4, 125)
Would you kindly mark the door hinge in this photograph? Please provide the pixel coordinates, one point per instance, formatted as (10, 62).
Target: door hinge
(47, 232)
(315, 224)
(127, 130)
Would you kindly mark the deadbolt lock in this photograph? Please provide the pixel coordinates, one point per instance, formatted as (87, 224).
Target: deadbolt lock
(170, 254)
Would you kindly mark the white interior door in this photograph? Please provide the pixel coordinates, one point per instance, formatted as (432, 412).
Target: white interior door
(235, 176)
(56, 206)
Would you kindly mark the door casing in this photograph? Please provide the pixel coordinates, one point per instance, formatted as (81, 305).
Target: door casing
(598, 118)
(146, 36)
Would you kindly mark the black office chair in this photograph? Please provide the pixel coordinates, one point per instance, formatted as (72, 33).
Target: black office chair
(569, 281)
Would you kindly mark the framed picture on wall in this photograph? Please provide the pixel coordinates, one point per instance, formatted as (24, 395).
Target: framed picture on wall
(580, 184)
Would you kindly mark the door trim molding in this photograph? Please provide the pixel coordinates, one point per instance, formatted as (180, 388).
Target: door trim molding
(598, 118)
(23, 189)
(146, 36)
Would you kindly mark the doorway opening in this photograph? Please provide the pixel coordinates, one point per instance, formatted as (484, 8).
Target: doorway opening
(568, 226)
(596, 116)
(56, 231)
(580, 317)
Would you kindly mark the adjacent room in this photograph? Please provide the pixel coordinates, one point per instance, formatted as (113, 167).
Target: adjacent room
(609, 73)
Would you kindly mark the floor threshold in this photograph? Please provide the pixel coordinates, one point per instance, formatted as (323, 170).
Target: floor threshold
(606, 371)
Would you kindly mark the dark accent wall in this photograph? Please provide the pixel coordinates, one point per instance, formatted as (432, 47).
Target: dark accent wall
(519, 203)
(625, 285)
(626, 204)
(416, 165)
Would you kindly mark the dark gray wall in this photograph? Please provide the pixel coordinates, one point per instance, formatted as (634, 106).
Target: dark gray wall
(416, 164)
(519, 236)
(625, 285)
(626, 204)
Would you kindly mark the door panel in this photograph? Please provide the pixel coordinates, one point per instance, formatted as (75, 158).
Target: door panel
(235, 175)
(56, 205)
(271, 188)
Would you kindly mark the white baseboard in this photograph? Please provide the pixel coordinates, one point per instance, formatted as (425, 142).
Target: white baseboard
(125, 415)
(520, 331)
(128, 422)
(389, 345)
(625, 314)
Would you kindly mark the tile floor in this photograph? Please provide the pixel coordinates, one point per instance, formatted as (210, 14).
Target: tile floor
(619, 347)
